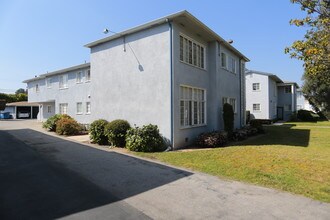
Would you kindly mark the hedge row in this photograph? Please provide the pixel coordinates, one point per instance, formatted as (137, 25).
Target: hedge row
(63, 125)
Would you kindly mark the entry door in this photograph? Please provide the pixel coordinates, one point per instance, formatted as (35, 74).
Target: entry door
(280, 113)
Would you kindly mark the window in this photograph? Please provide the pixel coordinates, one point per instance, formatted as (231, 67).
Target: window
(287, 89)
(256, 107)
(37, 88)
(88, 75)
(88, 107)
(256, 86)
(79, 77)
(63, 108)
(224, 100)
(49, 109)
(231, 101)
(49, 83)
(192, 52)
(231, 65)
(79, 108)
(224, 60)
(192, 106)
(287, 107)
(63, 81)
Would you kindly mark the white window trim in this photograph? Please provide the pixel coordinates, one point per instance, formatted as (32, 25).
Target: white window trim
(77, 112)
(259, 107)
(49, 82)
(226, 60)
(287, 92)
(37, 88)
(49, 109)
(227, 67)
(66, 108)
(90, 108)
(65, 86)
(87, 80)
(257, 90)
(228, 101)
(205, 110)
(196, 42)
(81, 77)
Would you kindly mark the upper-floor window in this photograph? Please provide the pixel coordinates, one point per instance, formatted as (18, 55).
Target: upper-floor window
(255, 86)
(232, 64)
(192, 106)
(79, 77)
(37, 88)
(63, 81)
(88, 75)
(287, 107)
(63, 108)
(192, 52)
(256, 107)
(224, 60)
(49, 83)
(287, 89)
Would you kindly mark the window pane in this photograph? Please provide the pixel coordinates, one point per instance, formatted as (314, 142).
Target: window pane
(186, 50)
(190, 52)
(194, 55)
(182, 113)
(181, 48)
(202, 57)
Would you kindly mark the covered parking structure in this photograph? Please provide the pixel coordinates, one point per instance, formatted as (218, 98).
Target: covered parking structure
(22, 110)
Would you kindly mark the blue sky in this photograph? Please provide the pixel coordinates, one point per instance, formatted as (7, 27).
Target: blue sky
(37, 36)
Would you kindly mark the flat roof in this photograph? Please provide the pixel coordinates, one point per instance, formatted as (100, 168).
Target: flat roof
(24, 103)
(172, 17)
(42, 76)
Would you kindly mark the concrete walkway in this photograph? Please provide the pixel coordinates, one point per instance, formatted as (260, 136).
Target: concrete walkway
(160, 191)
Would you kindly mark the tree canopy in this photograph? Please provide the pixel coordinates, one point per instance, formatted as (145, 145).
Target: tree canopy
(314, 51)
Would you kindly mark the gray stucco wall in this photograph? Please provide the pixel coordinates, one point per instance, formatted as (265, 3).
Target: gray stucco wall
(217, 82)
(76, 92)
(134, 84)
(287, 99)
(272, 86)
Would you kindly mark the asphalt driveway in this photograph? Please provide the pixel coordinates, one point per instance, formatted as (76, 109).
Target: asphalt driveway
(43, 176)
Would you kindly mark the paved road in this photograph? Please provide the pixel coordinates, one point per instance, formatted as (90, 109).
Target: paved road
(44, 177)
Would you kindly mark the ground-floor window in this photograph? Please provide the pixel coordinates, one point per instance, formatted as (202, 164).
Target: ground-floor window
(88, 107)
(79, 108)
(63, 108)
(49, 109)
(192, 106)
(256, 107)
(231, 101)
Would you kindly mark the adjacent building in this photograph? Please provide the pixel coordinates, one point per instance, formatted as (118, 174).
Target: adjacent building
(269, 97)
(302, 102)
(174, 72)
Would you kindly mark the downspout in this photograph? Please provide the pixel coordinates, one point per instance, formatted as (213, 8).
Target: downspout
(171, 147)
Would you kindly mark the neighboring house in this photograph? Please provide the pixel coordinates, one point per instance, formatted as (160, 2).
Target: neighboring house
(174, 72)
(302, 102)
(268, 97)
(22, 110)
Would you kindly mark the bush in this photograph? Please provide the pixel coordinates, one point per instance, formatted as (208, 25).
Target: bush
(305, 115)
(255, 123)
(145, 139)
(228, 118)
(116, 132)
(68, 126)
(50, 123)
(212, 139)
(96, 132)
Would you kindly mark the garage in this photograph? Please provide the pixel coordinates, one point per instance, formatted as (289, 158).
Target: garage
(23, 110)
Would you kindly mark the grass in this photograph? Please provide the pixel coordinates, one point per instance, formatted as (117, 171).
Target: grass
(294, 157)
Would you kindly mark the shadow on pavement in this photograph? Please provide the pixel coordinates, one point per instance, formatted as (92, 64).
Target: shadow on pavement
(45, 177)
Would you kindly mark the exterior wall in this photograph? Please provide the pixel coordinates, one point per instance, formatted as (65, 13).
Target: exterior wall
(217, 82)
(76, 92)
(258, 97)
(272, 99)
(287, 99)
(131, 80)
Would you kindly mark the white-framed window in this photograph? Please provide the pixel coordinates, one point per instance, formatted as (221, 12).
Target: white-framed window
(63, 81)
(192, 106)
(192, 52)
(256, 107)
(49, 83)
(224, 60)
(49, 109)
(287, 108)
(231, 101)
(63, 108)
(79, 107)
(79, 77)
(88, 75)
(37, 88)
(287, 89)
(88, 107)
(256, 86)
(232, 64)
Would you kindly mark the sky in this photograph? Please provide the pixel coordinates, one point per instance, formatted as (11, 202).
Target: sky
(37, 36)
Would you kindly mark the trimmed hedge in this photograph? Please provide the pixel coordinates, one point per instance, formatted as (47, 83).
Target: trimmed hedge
(116, 131)
(96, 132)
(50, 123)
(145, 139)
(68, 126)
(305, 115)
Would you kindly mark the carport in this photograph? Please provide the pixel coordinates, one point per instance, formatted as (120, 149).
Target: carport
(23, 110)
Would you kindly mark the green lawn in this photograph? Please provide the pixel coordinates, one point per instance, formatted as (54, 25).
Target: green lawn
(294, 157)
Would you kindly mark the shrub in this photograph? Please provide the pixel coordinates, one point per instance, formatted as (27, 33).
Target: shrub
(96, 132)
(255, 123)
(228, 118)
(68, 126)
(145, 139)
(50, 123)
(294, 117)
(116, 132)
(239, 135)
(305, 115)
(212, 139)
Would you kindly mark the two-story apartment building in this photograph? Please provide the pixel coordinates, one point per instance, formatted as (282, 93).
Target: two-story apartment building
(174, 72)
(268, 97)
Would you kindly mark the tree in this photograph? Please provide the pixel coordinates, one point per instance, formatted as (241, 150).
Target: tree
(20, 90)
(314, 51)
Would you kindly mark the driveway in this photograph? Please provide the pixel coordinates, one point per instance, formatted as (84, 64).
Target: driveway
(44, 176)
